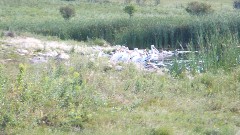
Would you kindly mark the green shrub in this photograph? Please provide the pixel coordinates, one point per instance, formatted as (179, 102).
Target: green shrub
(67, 12)
(197, 8)
(99, 42)
(130, 10)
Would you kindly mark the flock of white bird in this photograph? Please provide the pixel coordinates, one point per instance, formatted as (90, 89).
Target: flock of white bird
(153, 57)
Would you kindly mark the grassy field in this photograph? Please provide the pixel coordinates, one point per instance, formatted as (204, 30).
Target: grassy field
(88, 97)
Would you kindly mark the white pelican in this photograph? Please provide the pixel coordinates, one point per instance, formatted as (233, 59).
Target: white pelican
(116, 57)
(125, 56)
(154, 49)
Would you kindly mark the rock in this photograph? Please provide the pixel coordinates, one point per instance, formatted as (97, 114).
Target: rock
(22, 51)
(118, 68)
(38, 59)
(8, 34)
(91, 59)
(9, 45)
(151, 66)
(49, 54)
(62, 56)
(8, 59)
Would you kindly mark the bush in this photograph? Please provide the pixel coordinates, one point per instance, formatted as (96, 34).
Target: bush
(97, 41)
(197, 8)
(236, 4)
(67, 12)
(130, 10)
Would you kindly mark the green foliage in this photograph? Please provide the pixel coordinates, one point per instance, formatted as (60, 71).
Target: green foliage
(130, 10)
(67, 12)
(198, 8)
(97, 41)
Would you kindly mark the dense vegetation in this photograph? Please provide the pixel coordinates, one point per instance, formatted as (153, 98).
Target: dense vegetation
(80, 96)
(165, 26)
(85, 97)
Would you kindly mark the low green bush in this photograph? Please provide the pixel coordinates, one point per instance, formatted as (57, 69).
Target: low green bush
(130, 10)
(67, 12)
(198, 8)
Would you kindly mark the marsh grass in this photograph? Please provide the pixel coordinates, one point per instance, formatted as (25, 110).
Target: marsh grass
(221, 51)
(218, 51)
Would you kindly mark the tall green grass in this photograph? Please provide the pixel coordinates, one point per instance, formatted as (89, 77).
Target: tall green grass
(165, 28)
(221, 51)
(218, 51)
(136, 32)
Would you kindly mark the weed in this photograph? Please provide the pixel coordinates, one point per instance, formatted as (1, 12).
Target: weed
(20, 77)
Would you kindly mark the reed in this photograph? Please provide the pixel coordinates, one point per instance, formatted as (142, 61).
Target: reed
(137, 32)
